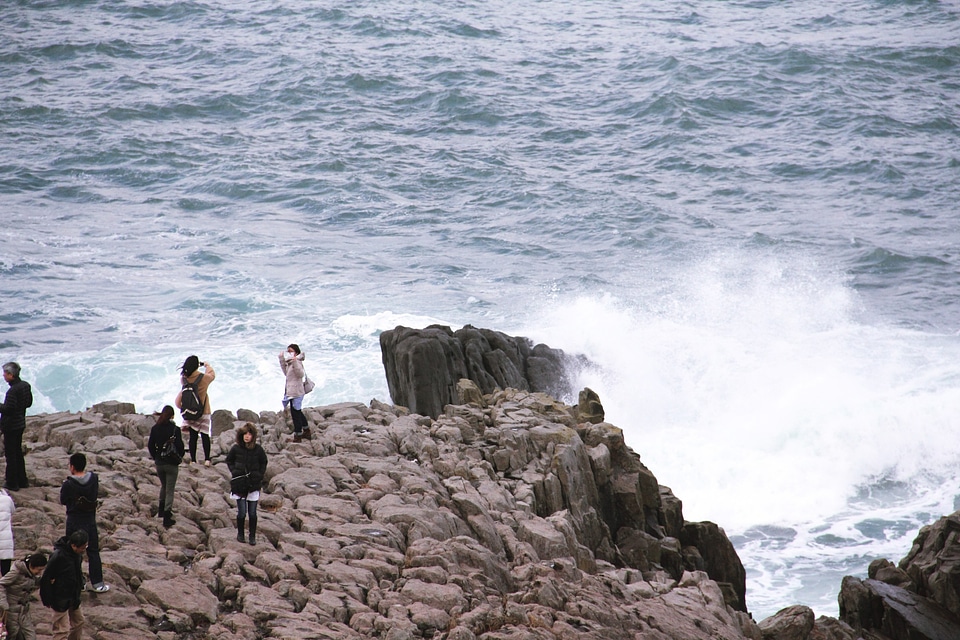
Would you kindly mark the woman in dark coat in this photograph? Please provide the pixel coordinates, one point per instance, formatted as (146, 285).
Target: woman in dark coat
(168, 466)
(247, 462)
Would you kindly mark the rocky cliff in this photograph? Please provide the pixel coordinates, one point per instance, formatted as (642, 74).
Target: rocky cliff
(502, 518)
(423, 366)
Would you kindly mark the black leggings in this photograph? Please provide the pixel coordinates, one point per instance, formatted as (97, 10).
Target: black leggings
(193, 445)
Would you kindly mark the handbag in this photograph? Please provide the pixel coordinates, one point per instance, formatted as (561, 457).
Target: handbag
(240, 485)
(308, 384)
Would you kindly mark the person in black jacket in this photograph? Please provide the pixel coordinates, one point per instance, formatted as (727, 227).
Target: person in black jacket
(247, 462)
(62, 584)
(13, 420)
(168, 466)
(80, 492)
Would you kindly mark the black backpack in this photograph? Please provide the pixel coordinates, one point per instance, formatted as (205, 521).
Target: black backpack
(191, 408)
(169, 453)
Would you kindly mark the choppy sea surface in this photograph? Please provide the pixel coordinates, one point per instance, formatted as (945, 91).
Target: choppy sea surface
(744, 213)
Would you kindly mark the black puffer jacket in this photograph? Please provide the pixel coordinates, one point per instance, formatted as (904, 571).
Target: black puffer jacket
(250, 459)
(62, 581)
(13, 410)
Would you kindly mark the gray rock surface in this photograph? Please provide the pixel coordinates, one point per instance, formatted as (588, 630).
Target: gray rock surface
(423, 366)
(498, 519)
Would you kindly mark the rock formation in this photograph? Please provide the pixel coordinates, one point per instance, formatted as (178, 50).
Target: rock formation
(503, 518)
(423, 366)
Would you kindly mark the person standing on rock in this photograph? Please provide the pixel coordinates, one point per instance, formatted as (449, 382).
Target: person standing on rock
(166, 448)
(291, 363)
(16, 592)
(79, 493)
(13, 420)
(247, 462)
(62, 584)
(201, 425)
(7, 508)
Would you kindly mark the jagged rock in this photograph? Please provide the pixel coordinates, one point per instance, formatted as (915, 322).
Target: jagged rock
(894, 613)
(424, 366)
(720, 559)
(792, 623)
(589, 408)
(112, 408)
(885, 571)
(485, 523)
(933, 563)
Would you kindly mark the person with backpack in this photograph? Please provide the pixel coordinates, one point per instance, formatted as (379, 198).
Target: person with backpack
(194, 404)
(61, 585)
(80, 493)
(247, 462)
(13, 422)
(291, 363)
(16, 592)
(166, 448)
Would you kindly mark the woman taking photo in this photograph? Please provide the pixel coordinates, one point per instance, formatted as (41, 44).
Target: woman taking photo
(191, 377)
(247, 462)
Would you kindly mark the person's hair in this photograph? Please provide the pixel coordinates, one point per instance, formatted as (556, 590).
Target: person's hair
(78, 461)
(295, 347)
(14, 369)
(191, 364)
(165, 415)
(38, 559)
(247, 428)
(78, 538)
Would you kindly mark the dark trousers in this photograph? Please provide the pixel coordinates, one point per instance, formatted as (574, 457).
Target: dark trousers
(16, 472)
(193, 445)
(299, 420)
(89, 524)
(168, 481)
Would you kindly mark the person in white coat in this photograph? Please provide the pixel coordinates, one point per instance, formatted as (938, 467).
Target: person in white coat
(7, 507)
(291, 363)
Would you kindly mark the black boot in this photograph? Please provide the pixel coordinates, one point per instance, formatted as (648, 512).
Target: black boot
(168, 520)
(253, 530)
(160, 509)
(240, 529)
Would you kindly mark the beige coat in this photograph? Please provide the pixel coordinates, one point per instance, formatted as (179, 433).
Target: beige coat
(208, 376)
(293, 370)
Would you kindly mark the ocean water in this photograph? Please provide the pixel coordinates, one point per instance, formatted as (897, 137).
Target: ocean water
(744, 213)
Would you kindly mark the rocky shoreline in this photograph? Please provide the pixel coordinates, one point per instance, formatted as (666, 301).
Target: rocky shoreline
(507, 515)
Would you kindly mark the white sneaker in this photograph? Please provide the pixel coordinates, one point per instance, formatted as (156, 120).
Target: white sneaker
(206, 463)
(101, 588)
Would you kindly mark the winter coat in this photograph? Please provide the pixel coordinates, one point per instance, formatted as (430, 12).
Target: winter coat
(159, 435)
(208, 376)
(13, 409)
(17, 587)
(251, 460)
(62, 582)
(7, 507)
(293, 370)
(88, 486)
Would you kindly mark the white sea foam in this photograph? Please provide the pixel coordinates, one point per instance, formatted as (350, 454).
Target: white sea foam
(760, 394)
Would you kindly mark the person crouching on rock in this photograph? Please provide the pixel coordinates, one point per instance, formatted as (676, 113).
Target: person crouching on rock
(247, 462)
(16, 592)
(291, 363)
(166, 448)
